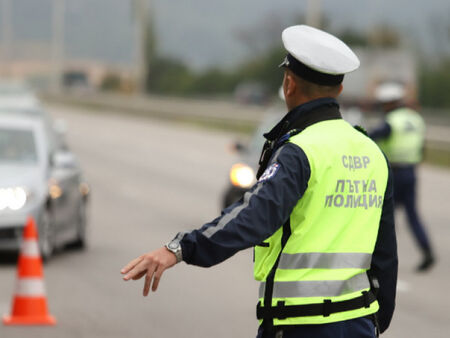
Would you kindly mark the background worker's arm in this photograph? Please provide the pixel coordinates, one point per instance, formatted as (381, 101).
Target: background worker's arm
(261, 212)
(384, 261)
(382, 132)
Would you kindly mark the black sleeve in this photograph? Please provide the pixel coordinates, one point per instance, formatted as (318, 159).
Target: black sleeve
(262, 211)
(384, 261)
(381, 132)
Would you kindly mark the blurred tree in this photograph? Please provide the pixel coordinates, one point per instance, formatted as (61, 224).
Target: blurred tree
(435, 85)
(264, 69)
(214, 81)
(354, 38)
(169, 76)
(111, 82)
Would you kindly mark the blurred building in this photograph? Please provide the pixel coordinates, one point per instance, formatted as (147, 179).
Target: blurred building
(32, 62)
(380, 65)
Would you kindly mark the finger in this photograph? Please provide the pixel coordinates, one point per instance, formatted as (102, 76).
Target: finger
(131, 265)
(139, 276)
(137, 270)
(157, 277)
(148, 280)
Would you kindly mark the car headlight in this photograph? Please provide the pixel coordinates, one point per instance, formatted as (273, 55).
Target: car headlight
(13, 198)
(242, 175)
(54, 189)
(84, 188)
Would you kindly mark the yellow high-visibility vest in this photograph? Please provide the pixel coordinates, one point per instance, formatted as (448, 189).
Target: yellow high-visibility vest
(405, 144)
(333, 227)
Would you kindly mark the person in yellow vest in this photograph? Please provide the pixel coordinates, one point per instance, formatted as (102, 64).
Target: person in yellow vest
(320, 217)
(401, 137)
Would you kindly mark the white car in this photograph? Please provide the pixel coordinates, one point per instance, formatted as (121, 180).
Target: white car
(39, 181)
(16, 95)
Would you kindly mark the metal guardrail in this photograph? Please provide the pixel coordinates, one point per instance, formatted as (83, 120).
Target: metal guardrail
(206, 111)
(226, 114)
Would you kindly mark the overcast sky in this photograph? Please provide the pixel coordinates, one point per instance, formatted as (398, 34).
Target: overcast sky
(209, 33)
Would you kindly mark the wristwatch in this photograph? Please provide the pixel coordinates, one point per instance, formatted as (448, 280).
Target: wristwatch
(175, 247)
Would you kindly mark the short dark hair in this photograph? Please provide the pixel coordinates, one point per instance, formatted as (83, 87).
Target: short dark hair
(313, 90)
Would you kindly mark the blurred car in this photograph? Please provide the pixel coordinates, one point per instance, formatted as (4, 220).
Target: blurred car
(41, 182)
(17, 95)
(76, 81)
(243, 173)
(18, 99)
(252, 93)
(55, 130)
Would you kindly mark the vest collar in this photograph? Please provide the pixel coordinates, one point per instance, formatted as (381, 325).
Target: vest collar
(305, 115)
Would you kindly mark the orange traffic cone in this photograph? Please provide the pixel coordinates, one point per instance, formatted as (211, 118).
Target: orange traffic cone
(29, 303)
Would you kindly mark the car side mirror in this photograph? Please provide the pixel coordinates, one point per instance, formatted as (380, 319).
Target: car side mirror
(63, 159)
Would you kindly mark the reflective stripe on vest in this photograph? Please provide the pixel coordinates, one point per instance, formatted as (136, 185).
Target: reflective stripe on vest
(324, 260)
(321, 288)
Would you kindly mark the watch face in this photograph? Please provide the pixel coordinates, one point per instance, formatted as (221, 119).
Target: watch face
(173, 245)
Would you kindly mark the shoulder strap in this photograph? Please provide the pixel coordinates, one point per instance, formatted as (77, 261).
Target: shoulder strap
(268, 321)
(270, 147)
(320, 114)
(361, 129)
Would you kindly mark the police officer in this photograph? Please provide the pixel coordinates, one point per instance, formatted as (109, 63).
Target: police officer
(320, 217)
(401, 137)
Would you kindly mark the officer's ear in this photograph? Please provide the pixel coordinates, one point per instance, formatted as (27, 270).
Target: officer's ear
(289, 84)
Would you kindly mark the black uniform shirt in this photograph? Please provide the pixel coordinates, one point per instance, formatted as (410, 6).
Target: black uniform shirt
(269, 203)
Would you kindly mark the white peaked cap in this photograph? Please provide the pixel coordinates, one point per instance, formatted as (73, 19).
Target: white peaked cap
(390, 91)
(318, 50)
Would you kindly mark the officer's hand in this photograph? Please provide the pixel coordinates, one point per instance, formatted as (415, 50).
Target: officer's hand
(151, 265)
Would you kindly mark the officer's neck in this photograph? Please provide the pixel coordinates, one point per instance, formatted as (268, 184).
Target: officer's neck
(300, 99)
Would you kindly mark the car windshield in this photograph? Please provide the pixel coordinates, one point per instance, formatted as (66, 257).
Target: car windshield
(22, 111)
(17, 146)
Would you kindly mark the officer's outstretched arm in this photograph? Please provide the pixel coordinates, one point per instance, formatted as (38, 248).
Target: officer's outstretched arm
(244, 224)
(261, 212)
(151, 265)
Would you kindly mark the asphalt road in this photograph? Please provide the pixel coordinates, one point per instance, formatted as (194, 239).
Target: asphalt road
(151, 179)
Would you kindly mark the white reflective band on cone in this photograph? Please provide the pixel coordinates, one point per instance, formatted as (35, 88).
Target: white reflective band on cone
(29, 248)
(30, 287)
